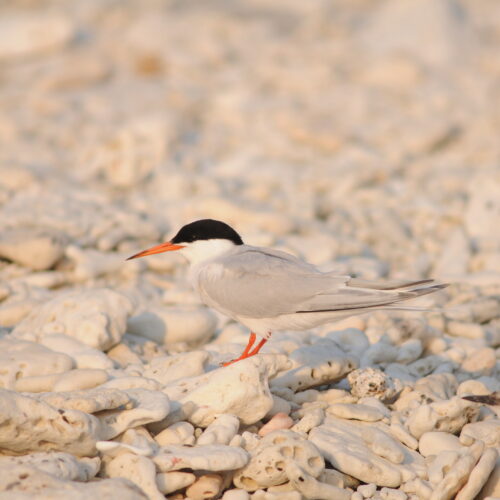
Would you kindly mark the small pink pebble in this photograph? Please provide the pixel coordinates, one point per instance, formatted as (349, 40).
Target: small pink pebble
(279, 421)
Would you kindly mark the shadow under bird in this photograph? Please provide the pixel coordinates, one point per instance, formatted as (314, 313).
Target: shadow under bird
(268, 290)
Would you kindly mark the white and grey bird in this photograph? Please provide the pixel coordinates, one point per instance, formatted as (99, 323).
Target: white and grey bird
(268, 290)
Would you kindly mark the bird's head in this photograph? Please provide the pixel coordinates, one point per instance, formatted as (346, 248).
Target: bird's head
(200, 240)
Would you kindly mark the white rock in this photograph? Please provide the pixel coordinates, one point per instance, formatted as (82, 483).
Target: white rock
(355, 412)
(33, 35)
(323, 372)
(207, 457)
(89, 401)
(351, 340)
(58, 464)
(236, 494)
(480, 362)
(133, 152)
(267, 466)
(309, 421)
(84, 356)
(207, 486)
(447, 416)
(20, 359)
(220, 431)
(229, 390)
(168, 326)
(409, 351)
(479, 475)
(166, 369)
(433, 443)
(147, 406)
(30, 482)
(90, 264)
(96, 318)
(367, 490)
(367, 453)
(139, 470)
(36, 426)
(371, 382)
(168, 482)
(310, 487)
(442, 23)
(73, 380)
(178, 433)
(458, 474)
(487, 431)
(380, 352)
(392, 494)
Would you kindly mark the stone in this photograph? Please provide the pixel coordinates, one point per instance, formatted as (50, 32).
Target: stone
(33, 34)
(36, 249)
(267, 466)
(220, 431)
(355, 412)
(68, 381)
(88, 401)
(58, 464)
(168, 326)
(178, 433)
(311, 488)
(168, 482)
(145, 407)
(229, 390)
(443, 23)
(433, 443)
(278, 422)
(365, 452)
(207, 486)
(30, 425)
(25, 481)
(479, 475)
(371, 382)
(167, 369)
(84, 356)
(20, 359)
(213, 457)
(139, 470)
(96, 318)
(447, 416)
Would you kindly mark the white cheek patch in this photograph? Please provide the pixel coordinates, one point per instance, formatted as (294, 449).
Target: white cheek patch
(201, 250)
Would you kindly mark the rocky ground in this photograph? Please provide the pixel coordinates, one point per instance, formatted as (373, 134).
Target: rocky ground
(359, 135)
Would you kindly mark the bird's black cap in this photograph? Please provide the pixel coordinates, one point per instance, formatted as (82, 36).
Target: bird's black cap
(206, 229)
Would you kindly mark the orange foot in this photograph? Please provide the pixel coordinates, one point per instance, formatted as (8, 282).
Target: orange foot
(247, 352)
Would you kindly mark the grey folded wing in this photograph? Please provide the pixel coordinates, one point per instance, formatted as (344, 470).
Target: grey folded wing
(259, 283)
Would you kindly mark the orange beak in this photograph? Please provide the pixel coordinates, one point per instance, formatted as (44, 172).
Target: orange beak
(163, 247)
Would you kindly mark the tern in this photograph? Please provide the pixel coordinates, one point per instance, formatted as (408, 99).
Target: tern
(268, 290)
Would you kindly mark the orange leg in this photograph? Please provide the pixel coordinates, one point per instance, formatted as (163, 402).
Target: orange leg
(247, 352)
(258, 347)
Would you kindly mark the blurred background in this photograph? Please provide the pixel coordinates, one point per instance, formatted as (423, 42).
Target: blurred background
(359, 134)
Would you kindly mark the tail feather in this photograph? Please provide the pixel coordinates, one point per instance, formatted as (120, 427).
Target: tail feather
(377, 296)
(386, 284)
